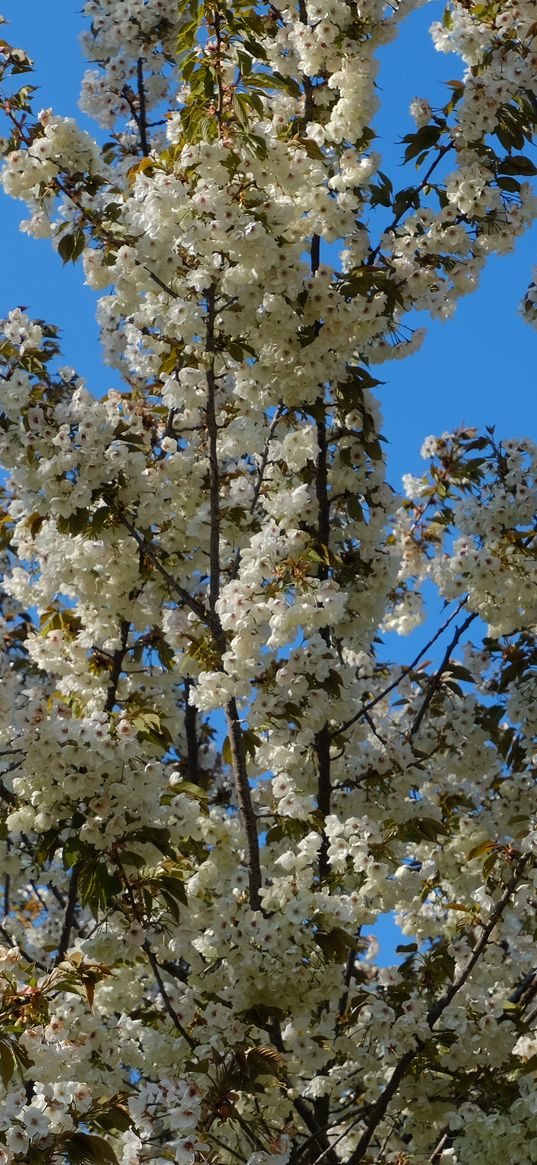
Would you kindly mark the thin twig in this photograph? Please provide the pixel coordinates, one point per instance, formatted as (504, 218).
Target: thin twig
(436, 1152)
(165, 997)
(442, 151)
(221, 1145)
(460, 979)
(349, 968)
(38, 895)
(405, 671)
(436, 679)
(264, 457)
(11, 941)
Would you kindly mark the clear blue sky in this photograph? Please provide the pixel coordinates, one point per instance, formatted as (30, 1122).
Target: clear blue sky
(478, 368)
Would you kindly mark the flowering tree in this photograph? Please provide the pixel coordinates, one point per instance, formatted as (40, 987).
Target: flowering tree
(211, 783)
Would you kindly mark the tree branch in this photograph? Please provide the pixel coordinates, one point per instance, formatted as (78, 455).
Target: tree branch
(152, 556)
(460, 979)
(236, 739)
(214, 471)
(382, 1103)
(322, 738)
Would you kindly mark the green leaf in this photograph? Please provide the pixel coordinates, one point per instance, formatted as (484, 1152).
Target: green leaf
(76, 523)
(73, 850)
(509, 184)
(21, 100)
(155, 835)
(518, 164)
(130, 858)
(484, 847)
(423, 139)
(335, 944)
(82, 1147)
(99, 519)
(7, 1061)
(47, 845)
(174, 886)
(97, 887)
(251, 742)
(117, 1117)
(382, 192)
(489, 863)
(70, 246)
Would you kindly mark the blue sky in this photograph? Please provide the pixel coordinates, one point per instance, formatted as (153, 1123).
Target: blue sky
(477, 368)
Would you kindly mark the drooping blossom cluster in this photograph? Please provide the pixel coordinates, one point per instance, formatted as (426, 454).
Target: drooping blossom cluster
(213, 782)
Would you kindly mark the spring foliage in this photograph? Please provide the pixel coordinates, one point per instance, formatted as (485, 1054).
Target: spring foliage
(212, 782)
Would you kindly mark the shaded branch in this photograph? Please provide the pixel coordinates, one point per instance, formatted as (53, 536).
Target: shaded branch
(318, 1132)
(68, 918)
(117, 664)
(244, 797)
(141, 119)
(191, 733)
(236, 739)
(214, 471)
(324, 792)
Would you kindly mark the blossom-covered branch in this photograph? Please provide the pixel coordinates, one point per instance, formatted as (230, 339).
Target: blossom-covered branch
(213, 785)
